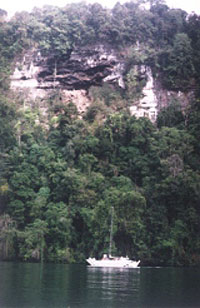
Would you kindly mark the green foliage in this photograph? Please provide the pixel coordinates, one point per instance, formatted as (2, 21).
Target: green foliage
(7, 237)
(58, 182)
(7, 121)
(180, 70)
(171, 116)
(135, 83)
(61, 189)
(34, 242)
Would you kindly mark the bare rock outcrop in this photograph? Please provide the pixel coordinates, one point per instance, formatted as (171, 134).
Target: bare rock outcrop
(77, 70)
(35, 76)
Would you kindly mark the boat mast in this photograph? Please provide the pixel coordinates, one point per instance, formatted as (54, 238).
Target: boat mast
(111, 231)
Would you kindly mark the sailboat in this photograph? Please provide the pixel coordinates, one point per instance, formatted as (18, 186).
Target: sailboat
(109, 260)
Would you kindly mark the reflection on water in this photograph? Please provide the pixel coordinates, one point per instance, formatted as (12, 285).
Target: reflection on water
(119, 286)
(36, 286)
(79, 286)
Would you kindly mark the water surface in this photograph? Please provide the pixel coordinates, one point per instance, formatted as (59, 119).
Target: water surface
(59, 285)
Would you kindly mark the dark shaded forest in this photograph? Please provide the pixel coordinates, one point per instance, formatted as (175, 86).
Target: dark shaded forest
(59, 178)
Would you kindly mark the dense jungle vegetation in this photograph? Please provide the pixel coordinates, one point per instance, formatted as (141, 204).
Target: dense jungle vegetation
(59, 179)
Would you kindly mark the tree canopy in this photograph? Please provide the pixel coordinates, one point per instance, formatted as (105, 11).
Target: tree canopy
(60, 177)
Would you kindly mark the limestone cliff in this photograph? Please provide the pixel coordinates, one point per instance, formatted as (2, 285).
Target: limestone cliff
(73, 74)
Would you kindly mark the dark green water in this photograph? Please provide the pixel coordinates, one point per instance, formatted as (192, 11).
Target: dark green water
(58, 285)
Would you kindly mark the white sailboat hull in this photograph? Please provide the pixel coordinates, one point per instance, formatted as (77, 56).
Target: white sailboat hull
(113, 262)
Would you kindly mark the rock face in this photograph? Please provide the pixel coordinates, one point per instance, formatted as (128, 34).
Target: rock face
(78, 70)
(35, 76)
(147, 106)
(73, 74)
(155, 97)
